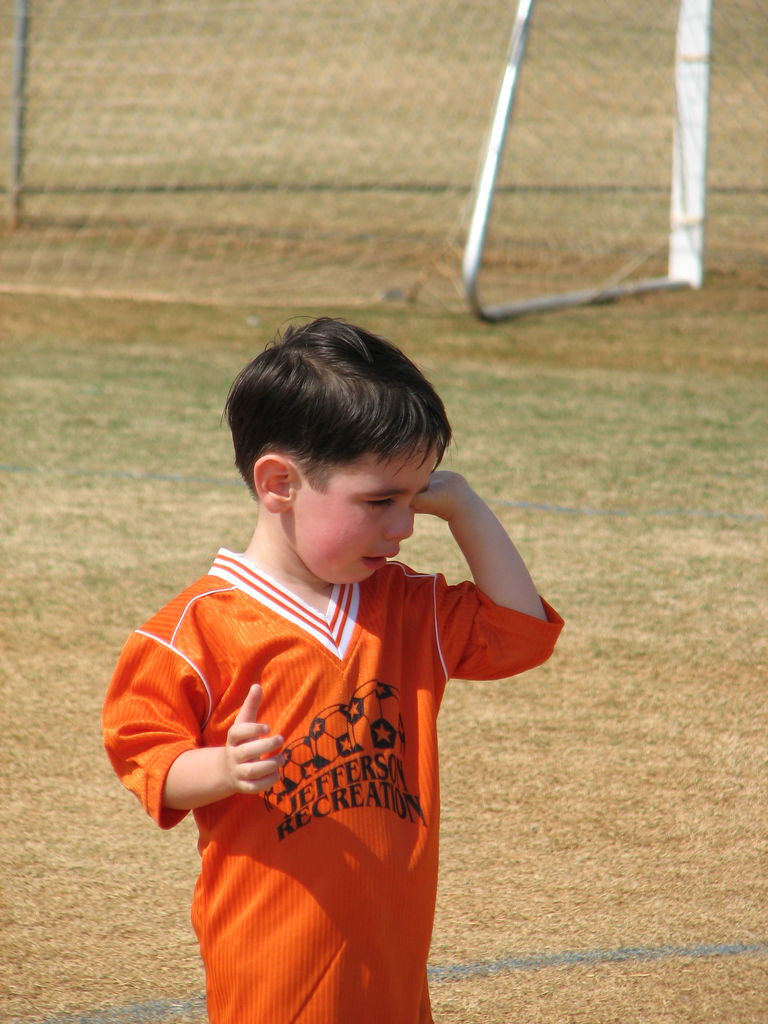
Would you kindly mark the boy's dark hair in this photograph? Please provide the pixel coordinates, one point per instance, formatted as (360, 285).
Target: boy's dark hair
(327, 393)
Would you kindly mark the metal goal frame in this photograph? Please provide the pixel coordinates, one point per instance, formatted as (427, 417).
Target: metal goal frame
(689, 172)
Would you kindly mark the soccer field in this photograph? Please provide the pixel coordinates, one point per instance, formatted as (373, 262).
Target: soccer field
(328, 153)
(604, 833)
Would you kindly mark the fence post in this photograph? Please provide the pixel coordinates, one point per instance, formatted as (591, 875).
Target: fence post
(17, 113)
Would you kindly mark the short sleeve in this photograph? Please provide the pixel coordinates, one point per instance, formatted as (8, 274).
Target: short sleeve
(482, 640)
(153, 711)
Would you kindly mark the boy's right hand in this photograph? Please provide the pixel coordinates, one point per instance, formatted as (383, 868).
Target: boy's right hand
(252, 757)
(249, 762)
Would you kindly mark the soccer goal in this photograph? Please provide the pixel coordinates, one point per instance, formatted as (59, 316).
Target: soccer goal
(318, 153)
(688, 162)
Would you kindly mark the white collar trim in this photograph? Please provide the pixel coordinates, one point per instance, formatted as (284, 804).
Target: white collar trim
(333, 630)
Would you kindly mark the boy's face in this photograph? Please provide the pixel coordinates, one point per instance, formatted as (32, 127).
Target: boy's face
(347, 529)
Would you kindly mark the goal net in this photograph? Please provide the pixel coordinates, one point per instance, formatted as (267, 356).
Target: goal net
(602, 185)
(266, 152)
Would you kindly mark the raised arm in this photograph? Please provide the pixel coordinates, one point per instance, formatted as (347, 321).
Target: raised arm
(495, 563)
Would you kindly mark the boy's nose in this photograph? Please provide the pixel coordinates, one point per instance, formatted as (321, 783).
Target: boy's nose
(401, 527)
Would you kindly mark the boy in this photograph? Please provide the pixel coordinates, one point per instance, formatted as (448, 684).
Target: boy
(319, 831)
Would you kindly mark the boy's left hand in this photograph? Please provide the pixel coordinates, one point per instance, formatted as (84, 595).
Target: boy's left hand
(495, 563)
(445, 495)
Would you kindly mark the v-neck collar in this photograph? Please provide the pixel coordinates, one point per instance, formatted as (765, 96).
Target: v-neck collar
(333, 630)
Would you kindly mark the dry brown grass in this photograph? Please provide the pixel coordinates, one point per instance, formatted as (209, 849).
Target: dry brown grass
(613, 798)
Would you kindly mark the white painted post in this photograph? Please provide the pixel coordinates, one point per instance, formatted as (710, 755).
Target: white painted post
(494, 150)
(689, 155)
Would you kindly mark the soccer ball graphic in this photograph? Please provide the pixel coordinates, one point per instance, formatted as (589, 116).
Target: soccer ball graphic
(371, 721)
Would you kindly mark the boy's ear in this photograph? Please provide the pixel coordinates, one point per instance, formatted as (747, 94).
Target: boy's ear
(276, 479)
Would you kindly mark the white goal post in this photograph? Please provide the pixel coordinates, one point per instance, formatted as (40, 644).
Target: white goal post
(688, 162)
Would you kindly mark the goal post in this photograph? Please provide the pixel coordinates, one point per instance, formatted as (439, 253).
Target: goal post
(689, 155)
(688, 181)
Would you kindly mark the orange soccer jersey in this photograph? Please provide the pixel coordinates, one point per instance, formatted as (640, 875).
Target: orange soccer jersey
(315, 900)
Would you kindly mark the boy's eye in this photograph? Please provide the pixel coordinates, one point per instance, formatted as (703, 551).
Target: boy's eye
(380, 502)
